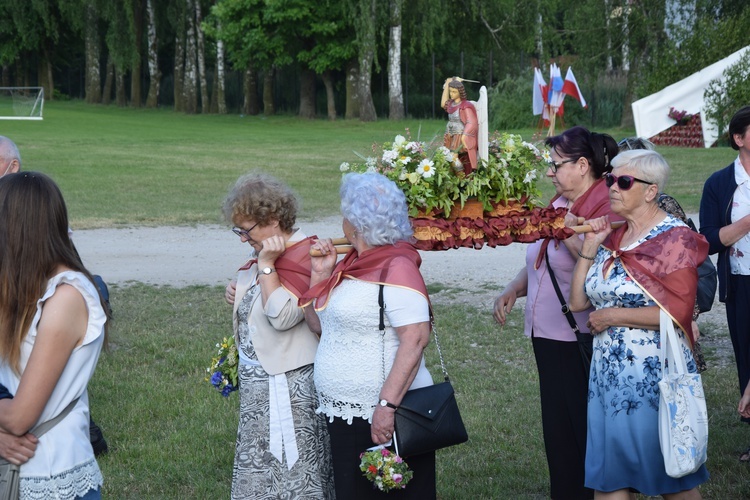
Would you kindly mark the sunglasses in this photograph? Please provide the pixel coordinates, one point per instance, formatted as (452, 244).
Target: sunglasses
(624, 182)
(244, 232)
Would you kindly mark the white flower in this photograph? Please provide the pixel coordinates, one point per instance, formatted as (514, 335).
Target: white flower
(530, 176)
(457, 162)
(402, 175)
(371, 169)
(389, 157)
(371, 163)
(399, 141)
(344, 167)
(546, 156)
(404, 160)
(531, 147)
(414, 177)
(426, 168)
(506, 174)
(444, 151)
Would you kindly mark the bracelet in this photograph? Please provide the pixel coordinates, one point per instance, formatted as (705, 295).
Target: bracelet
(586, 256)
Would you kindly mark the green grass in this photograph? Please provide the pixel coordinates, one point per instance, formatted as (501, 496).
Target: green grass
(123, 167)
(172, 435)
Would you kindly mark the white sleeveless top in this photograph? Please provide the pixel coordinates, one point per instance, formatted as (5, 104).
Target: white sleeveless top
(64, 465)
(349, 364)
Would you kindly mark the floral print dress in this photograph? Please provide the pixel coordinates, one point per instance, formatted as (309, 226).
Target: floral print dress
(622, 448)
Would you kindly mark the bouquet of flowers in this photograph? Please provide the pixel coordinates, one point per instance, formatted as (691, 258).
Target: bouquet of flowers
(681, 117)
(223, 370)
(385, 469)
(432, 176)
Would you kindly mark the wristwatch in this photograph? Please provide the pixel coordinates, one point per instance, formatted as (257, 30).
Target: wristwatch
(384, 402)
(267, 270)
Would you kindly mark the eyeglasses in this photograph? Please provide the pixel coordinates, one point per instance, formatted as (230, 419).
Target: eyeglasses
(554, 165)
(624, 182)
(244, 232)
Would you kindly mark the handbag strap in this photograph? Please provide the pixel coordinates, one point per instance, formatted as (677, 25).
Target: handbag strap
(670, 346)
(565, 308)
(381, 326)
(42, 428)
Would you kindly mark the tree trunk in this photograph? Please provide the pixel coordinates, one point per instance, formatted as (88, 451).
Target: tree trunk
(108, 80)
(352, 90)
(120, 93)
(268, 106)
(6, 76)
(135, 76)
(154, 74)
(93, 73)
(307, 94)
(46, 79)
(179, 65)
(395, 88)
(330, 96)
(205, 108)
(250, 89)
(219, 87)
(190, 85)
(367, 111)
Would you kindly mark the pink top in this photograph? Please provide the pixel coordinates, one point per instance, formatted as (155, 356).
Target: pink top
(543, 314)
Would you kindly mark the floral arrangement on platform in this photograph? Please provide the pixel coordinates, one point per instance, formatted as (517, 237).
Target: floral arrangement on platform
(432, 176)
(681, 117)
(222, 373)
(385, 469)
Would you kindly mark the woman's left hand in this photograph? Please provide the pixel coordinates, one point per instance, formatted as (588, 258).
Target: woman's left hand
(599, 320)
(383, 424)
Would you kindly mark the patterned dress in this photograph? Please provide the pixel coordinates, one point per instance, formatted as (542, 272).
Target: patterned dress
(622, 448)
(257, 473)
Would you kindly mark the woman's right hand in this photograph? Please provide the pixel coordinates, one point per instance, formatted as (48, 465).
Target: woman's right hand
(325, 259)
(600, 229)
(503, 304)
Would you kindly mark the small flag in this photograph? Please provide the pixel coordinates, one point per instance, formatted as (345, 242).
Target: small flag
(570, 87)
(540, 88)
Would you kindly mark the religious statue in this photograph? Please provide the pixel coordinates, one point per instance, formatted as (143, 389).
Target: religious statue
(463, 125)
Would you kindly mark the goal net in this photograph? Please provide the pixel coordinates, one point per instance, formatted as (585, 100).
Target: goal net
(21, 103)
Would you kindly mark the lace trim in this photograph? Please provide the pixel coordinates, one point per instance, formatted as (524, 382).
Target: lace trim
(72, 483)
(332, 408)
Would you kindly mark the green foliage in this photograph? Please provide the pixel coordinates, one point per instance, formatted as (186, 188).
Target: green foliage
(510, 103)
(724, 96)
(694, 42)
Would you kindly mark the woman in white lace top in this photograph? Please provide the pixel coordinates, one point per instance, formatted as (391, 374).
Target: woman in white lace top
(52, 328)
(362, 373)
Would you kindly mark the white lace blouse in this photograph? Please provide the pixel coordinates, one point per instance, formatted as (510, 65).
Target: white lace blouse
(64, 466)
(349, 365)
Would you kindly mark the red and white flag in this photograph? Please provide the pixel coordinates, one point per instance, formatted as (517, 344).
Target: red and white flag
(570, 87)
(540, 89)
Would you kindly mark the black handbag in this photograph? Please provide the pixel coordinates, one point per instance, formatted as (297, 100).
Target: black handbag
(428, 418)
(706, 286)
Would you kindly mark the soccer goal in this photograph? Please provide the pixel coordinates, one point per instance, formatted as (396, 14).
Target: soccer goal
(21, 103)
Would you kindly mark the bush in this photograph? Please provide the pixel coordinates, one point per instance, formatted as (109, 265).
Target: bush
(510, 104)
(727, 94)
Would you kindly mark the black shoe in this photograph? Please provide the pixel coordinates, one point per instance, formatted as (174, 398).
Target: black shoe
(97, 439)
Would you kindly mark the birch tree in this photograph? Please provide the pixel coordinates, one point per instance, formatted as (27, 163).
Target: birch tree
(153, 62)
(190, 81)
(219, 87)
(93, 73)
(395, 90)
(205, 108)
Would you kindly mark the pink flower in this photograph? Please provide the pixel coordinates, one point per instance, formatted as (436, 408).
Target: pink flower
(398, 459)
(385, 452)
(397, 478)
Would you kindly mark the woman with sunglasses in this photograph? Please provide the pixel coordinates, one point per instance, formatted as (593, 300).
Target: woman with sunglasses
(580, 158)
(282, 444)
(628, 274)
